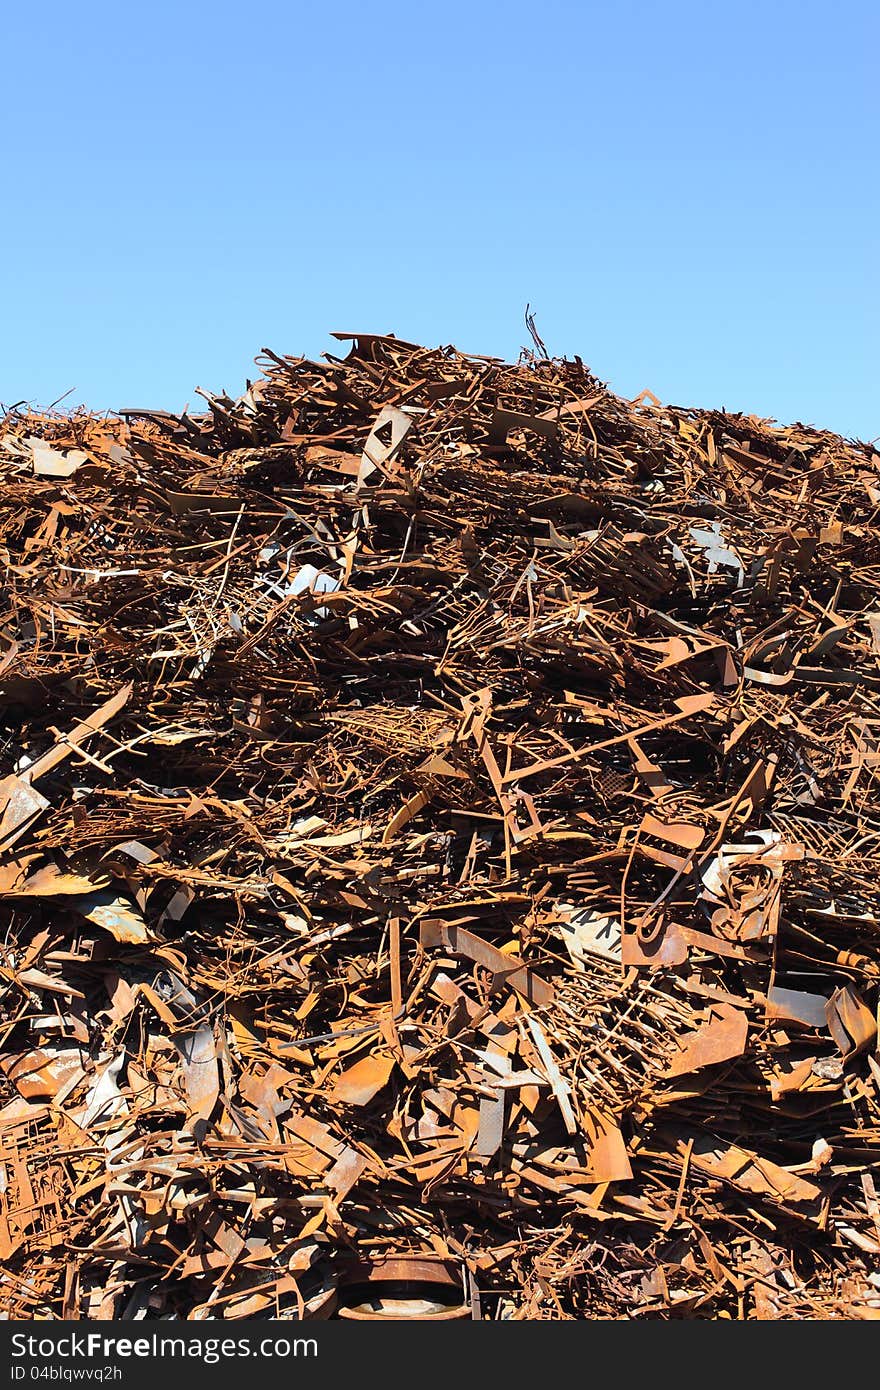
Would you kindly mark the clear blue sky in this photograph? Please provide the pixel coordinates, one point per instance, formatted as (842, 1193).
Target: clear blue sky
(687, 192)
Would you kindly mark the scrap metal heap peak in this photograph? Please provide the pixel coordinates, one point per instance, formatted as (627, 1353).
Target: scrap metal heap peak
(438, 853)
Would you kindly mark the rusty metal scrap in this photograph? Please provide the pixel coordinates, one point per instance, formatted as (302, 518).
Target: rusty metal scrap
(438, 853)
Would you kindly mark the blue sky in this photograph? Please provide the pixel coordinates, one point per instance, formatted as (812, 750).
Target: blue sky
(687, 193)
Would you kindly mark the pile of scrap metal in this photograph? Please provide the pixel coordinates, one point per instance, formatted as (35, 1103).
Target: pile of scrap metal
(438, 853)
